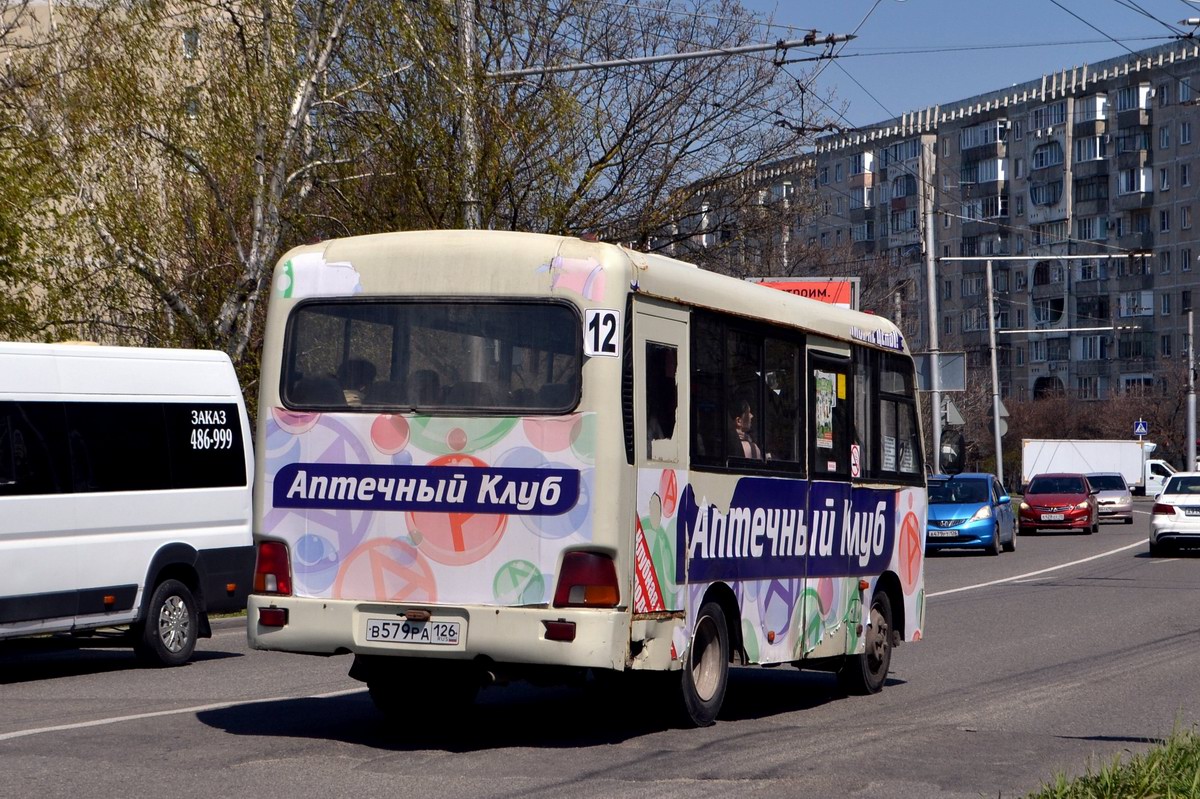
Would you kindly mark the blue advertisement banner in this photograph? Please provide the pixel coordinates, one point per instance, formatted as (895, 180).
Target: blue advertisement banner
(785, 528)
(429, 489)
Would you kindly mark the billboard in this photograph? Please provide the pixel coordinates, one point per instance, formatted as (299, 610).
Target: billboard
(839, 291)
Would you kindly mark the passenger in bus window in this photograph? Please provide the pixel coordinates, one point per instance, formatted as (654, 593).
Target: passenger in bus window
(355, 375)
(742, 444)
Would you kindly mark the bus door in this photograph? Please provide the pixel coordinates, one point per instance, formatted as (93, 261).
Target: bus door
(830, 466)
(660, 425)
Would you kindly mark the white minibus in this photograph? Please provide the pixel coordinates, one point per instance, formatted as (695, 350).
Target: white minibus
(125, 496)
(487, 455)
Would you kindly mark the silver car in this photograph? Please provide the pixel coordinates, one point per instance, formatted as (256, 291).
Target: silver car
(1175, 519)
(1113, 499)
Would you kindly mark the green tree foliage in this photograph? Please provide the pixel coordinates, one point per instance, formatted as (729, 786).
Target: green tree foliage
(167, 154)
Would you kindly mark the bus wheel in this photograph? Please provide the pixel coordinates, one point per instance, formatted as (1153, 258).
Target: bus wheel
(866, 673)
(167, 636)
(706, 669)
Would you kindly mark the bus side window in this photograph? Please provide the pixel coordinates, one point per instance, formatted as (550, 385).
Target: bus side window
(662, 395)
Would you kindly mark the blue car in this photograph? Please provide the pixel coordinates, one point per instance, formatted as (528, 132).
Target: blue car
(969, 510)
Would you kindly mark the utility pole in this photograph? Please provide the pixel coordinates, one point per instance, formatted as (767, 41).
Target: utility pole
(1191, 398)
(996, 420)
(468, 132)
(935, 369)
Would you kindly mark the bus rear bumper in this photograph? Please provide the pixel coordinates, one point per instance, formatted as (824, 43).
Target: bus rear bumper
(499, 634)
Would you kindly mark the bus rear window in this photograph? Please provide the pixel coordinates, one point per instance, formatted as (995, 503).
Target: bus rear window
(433, 355)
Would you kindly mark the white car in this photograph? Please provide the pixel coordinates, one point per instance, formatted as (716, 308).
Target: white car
(1113, 500)
(1175, 519)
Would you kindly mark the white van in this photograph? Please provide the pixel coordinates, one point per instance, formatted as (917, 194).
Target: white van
(125, 495)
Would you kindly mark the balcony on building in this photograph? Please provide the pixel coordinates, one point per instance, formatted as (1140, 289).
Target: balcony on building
(1137, 241)
(1089, 127)
(1133, 117)
(1097, 167)
(1130, 202)
(1091, 368)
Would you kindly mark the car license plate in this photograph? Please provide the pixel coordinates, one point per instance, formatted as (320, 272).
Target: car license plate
(403, 631)
(1052, 517)
(942, 533)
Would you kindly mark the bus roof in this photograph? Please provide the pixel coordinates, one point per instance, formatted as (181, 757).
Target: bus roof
(467, 262)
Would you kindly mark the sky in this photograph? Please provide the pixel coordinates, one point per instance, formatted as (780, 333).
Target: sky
(913, 54)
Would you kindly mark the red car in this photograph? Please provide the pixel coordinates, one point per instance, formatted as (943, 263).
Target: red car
(1059, 502)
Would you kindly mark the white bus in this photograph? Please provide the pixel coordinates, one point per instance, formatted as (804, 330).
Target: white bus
(124, 496)
(491, 455)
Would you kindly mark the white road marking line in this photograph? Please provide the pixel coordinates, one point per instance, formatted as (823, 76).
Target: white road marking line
(1027, 575)
(7, 736)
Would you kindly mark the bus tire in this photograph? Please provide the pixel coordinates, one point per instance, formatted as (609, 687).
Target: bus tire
(706, 668)
(866, 673)
(167, 636)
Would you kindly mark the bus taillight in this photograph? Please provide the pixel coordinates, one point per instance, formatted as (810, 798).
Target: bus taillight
(587, 580)
(272, 572)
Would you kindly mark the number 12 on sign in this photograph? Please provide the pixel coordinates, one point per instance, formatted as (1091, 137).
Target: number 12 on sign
(602, 332)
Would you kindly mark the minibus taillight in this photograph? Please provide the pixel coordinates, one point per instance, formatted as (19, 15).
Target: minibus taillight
(272, 574)
(587, 580)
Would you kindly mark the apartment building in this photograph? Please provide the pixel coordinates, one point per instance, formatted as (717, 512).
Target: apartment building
(1080, 187)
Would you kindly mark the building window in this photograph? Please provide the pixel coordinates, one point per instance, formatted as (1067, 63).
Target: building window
(1185, 132)
(1091, 148)
(1133, 181)
(1049, 154)
(1164, 345)
(1164, 137)
(837, 173)
(1185, 259)
(1164, 304)
(1164, 94)
(1185, 301)
(1164, 179)
(1185, 89)
(1092, 228)
(1134, 97)
(191, 43)
(1045, 193)
(1048, 115)
(1164, 221)
(1185, 217)
(948, 325)
(1185, 174)
(1164, 262)
(1018, 167)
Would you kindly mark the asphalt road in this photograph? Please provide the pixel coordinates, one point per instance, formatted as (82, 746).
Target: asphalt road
(1071, 651)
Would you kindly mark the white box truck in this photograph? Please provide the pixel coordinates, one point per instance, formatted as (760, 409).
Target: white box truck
(1144, 473)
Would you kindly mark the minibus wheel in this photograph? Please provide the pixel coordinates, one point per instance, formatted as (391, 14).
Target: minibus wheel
(167, 636)
(866, 673)
(706, 668)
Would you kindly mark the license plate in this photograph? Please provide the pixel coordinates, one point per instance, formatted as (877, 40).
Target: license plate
(403, 631)
(1052, 517)
(941, 533)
